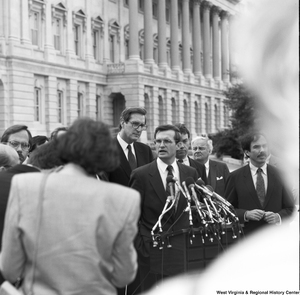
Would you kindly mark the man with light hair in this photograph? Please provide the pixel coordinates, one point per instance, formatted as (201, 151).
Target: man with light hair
(216, 172)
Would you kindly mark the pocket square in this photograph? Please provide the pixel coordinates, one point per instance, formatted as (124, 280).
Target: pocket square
(219, 178)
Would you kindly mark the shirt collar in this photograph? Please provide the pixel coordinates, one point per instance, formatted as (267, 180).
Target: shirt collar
(207, 164)
(123, 143)
(254, 168)
(162, 166)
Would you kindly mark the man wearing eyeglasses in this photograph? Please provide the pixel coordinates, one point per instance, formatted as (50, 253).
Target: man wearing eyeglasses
(151, 182)
(133, 154)
(18, 137)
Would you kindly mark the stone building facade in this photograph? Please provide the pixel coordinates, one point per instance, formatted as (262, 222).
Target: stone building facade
(60, 60)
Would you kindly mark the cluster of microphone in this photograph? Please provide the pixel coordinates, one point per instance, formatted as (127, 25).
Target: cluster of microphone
(211, 213)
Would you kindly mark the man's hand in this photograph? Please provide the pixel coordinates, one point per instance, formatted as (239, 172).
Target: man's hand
(271, 217)
(255, 214)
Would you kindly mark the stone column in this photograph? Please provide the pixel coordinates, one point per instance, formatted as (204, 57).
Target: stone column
(216, 43)
(49, 48)
(13, 22)
(162, 47)
(232, 63)
(88, 35)
(224, 45)
(206, 48)
(186, 56)
(174, 36)
(197, 38)
(148, 34)
(133, 30)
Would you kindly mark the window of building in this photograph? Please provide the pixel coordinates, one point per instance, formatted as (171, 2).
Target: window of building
(155, 48)
(60, 106)
(217, 117)
(167, 11)
(79, 104)
(155, 8)
(141, 44)
(185, 112)
(197, 118)
(37, 104)
(98, 107)
(59, 22)
(114, 40)
(160, 110)
(141, 5)
(126, 3)
(174, 111)
(98, 33)
(36, 20)
(79, 29)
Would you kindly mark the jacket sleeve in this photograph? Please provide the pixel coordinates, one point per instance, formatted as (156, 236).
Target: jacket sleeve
(12, 259)
(124, 254)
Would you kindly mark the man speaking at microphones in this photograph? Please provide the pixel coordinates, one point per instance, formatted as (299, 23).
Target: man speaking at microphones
(151, 181)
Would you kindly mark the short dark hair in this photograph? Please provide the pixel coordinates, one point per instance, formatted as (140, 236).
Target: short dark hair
(46, 156)
(38, 140)
(89, 144)
(15, 129)
(55, 131)
(166, 127)
(125, 115)
(182, 128)
(247, 139)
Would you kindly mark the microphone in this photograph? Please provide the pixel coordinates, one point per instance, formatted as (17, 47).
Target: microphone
(219, 198)
(170, 182)
(179, 187)
(200, 184)
(186, 191)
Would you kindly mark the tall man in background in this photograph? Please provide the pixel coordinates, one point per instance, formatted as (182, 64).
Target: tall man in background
(132, 154)
(216, 172)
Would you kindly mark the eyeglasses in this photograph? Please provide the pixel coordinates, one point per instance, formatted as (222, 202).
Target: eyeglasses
(15, 144)
(164, 141)
(137, 125)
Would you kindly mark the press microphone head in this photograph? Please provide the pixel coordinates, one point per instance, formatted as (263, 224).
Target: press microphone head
(170, 179)
(189, 181)
(200, 182)
(210, 188)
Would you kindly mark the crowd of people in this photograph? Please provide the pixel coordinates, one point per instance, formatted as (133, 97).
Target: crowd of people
(78, 209)
(89, 214)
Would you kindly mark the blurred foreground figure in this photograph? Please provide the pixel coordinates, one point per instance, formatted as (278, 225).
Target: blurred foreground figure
(87, 227)
(268, 41)
(8, 157)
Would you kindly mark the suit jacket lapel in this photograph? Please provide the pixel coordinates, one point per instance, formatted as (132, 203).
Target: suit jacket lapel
(270, 187)
(156, 182)
(124, 164)
(212, 175)
(250, 185)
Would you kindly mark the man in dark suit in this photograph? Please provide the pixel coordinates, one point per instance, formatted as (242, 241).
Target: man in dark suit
(256, 190)
(133, 154)
(132, 123)
(217, 172)
(150, 181)
(182, 152)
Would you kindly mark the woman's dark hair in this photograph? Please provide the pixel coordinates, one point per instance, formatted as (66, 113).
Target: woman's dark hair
(46, 156)
(38, 140)
(54, 133)
(167, 127)
(89, 144)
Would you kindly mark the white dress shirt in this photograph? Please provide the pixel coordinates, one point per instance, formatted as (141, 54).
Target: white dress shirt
(124, 146)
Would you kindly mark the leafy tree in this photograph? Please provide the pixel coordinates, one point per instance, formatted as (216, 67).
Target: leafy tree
(242, 103)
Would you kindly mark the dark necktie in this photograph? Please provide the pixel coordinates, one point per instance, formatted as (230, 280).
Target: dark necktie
(260, 187)
(131, 158)
(170, 173)
(180, 161)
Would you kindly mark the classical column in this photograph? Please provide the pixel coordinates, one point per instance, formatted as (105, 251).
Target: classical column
(206, 46)
(197, 38)
(162, 47)
(174, 36)
(232, 69)
(13, 21)
(216, 43)
(133, 30)
(224, 46)
(148, 35)
(186, 56)
(49, 32)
